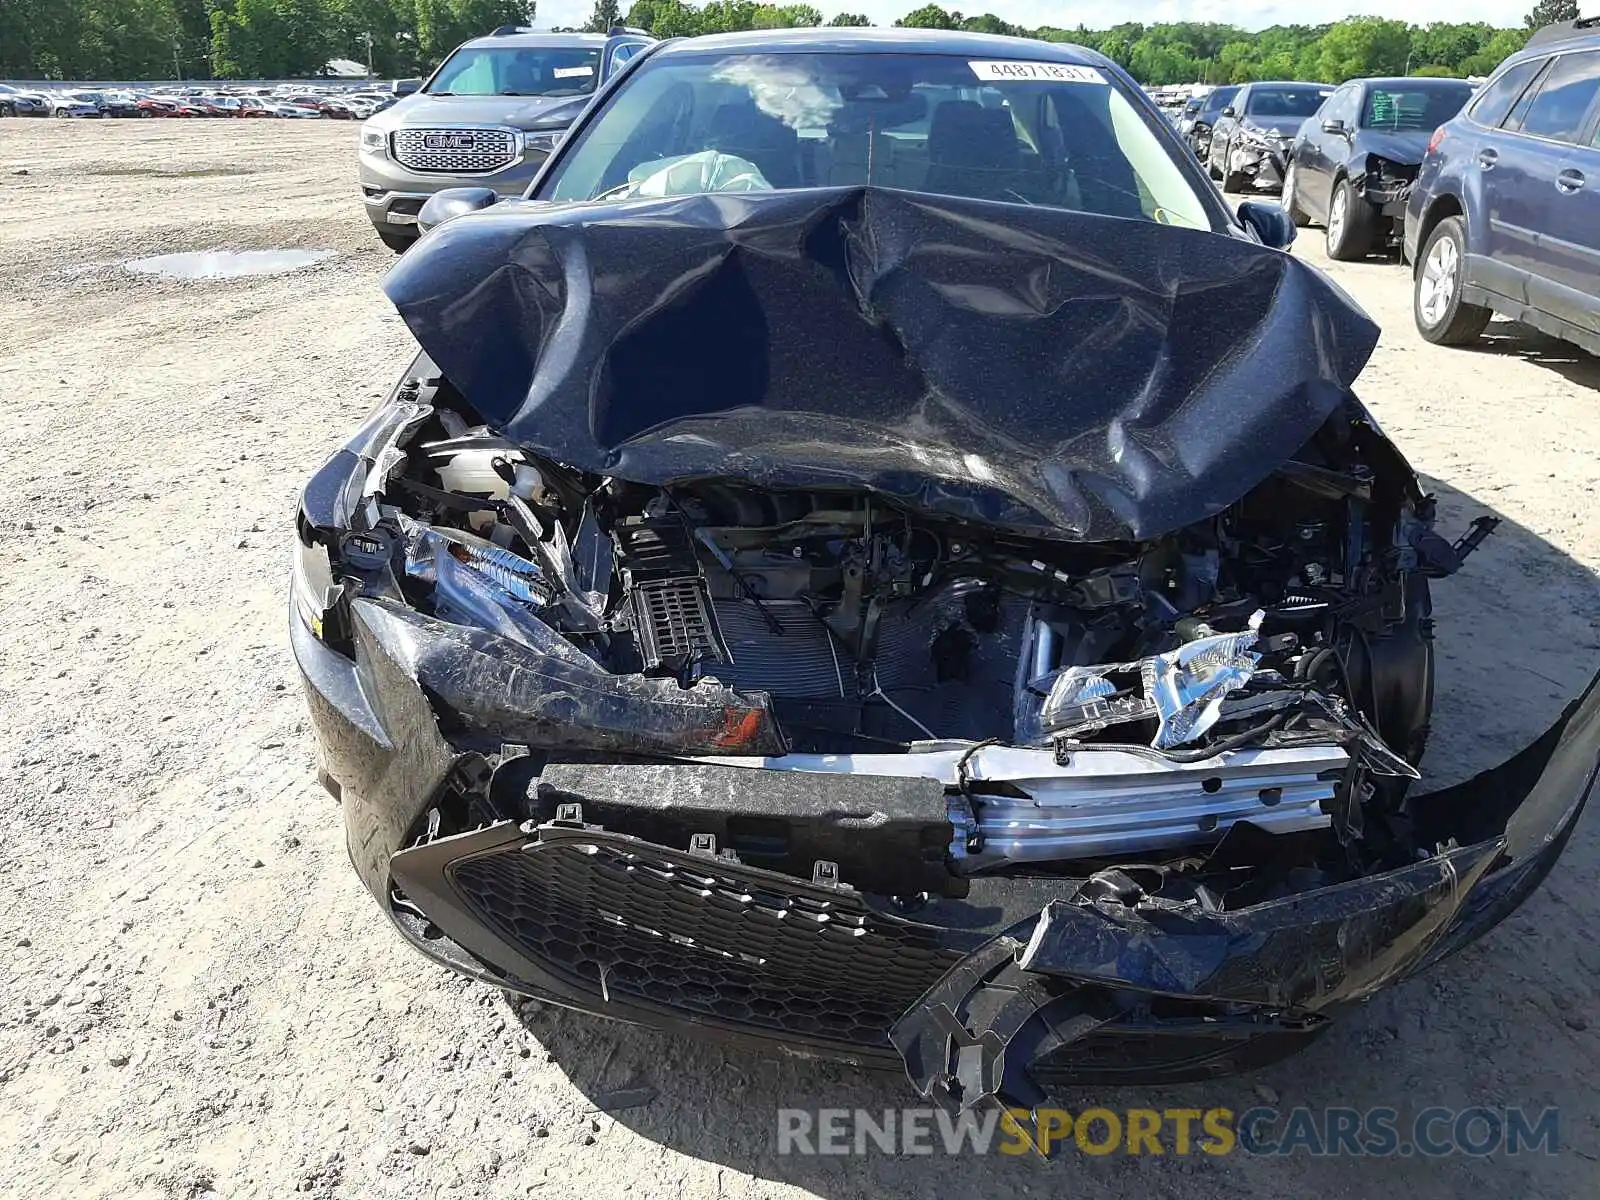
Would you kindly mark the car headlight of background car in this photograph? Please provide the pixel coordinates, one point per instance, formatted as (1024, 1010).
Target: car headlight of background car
(374, 141)
(543, 143)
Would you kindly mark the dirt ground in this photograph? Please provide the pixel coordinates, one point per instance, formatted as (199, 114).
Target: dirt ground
(198, 995)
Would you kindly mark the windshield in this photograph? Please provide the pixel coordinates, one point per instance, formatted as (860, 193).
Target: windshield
(517, 71)
(1413, 107)
(1046, 134)
(1286, 101)
(1218, 100)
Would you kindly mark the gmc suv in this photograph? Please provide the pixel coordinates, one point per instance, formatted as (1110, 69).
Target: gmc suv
(488, 117)
(1505, 216)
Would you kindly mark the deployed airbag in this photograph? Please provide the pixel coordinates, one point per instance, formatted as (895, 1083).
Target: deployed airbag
(1053, 373)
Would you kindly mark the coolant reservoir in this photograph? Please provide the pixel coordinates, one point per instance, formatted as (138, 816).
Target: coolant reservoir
(472, 471)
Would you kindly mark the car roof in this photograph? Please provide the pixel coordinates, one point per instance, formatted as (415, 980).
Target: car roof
(535, 40)
(1282, 83)
(845, 40)
(1409, 80)
(1560, 38)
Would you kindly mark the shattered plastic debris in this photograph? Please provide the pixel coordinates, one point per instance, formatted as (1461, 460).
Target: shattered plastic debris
(1182, 689)
(1187, 685)
(478, 583)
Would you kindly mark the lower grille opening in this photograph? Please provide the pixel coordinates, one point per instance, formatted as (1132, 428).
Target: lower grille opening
(680, 935)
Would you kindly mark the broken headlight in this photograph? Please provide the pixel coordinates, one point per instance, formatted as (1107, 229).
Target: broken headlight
(312, 587)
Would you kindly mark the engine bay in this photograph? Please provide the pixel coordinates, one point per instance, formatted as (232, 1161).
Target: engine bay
(1270, 665)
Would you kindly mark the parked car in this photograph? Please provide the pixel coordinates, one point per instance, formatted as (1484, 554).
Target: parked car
(1251, 136)
(208, 106)
(17, 103)
(1354, 162)
(1505, 215)
(157, 106)
(1184, 121)
(694, 638)
(255, 106)
(75, 104)
(490, 114)
(120, 103)
(1199, 132)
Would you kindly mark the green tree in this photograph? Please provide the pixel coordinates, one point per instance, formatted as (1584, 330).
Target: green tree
(930, 16)
(606, 14)
(1496, 50)
(391, 26)
(989, 23)
(1363, 46)
(1548, 12)
(855, 19)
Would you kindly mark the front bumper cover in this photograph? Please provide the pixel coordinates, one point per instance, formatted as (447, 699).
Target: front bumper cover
(1264, 165)
(985, 999)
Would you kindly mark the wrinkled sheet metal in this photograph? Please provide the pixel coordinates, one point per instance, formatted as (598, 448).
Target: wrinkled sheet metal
(1047, 981)
(1054, 373)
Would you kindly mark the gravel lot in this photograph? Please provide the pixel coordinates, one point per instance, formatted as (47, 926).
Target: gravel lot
(200, 997)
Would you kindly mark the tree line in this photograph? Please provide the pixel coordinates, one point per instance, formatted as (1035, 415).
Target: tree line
(267, 39)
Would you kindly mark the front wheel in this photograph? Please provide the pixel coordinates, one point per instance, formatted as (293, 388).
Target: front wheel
(1291, 204)
(398, 242)
(1351, 222)
(1442, 317)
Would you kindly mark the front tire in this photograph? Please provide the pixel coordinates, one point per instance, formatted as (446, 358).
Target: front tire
(1290, 201)
(398, 242)
(1442, 317)
(1351, 224)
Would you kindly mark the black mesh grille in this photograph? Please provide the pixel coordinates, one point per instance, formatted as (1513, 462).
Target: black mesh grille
(684, 936)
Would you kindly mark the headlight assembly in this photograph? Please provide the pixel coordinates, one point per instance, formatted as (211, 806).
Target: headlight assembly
(543, 143)
(313, 587)
(374, 142)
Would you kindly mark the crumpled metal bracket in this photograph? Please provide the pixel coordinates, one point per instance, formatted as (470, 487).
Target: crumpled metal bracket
(968, 1042)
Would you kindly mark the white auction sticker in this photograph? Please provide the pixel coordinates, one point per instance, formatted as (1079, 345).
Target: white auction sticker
(571, 72)
(1047, 72)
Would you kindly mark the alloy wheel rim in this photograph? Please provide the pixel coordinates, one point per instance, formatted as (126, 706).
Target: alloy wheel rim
(1336, 215)
(1437, 286)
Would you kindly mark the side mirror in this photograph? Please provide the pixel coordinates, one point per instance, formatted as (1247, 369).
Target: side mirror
(454, 202)
(1230, 111)
(1269, 222)
(1333, 126)
(404, 87)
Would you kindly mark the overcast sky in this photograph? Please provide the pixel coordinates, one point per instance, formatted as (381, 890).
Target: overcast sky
(1099, 14)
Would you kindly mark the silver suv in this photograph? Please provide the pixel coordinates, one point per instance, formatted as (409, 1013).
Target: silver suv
(488, 117)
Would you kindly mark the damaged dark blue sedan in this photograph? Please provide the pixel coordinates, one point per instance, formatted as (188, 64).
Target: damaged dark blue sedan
(876, 560)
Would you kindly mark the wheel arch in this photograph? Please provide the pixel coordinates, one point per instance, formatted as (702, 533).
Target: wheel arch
(1445, 204)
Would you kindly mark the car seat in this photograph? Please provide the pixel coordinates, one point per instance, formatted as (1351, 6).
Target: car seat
(744, 130)
(972, 151)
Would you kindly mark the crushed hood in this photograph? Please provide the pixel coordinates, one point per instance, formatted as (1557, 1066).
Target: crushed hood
(1049, 372)
(1407, 148)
